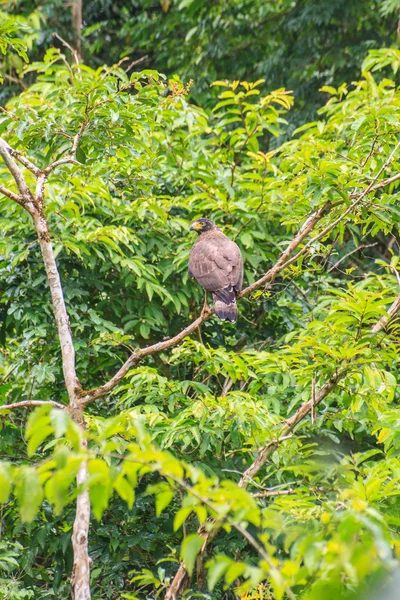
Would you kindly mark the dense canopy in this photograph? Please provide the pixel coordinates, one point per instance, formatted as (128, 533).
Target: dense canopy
(147, 449)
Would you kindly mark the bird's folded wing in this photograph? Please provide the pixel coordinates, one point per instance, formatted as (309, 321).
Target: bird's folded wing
(216, 263)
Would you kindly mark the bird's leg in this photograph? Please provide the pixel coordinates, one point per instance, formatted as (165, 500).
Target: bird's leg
(206, 309)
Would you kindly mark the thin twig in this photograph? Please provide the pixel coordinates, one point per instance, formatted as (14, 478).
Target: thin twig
(313, 397)
(362, 247)
(70, 48)
(397, 274)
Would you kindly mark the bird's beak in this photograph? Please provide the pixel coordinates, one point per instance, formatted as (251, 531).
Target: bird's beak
(196, 226)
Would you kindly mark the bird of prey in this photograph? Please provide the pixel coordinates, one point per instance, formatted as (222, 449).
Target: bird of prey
(216, 263)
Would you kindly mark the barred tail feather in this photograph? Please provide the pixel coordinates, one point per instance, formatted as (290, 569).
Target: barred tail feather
(226, 312)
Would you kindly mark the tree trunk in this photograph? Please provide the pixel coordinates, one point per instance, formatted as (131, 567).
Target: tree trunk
(81, 570)
(77, 24)
(60, 311)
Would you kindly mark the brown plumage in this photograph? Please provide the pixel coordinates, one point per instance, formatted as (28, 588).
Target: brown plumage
(216, 263)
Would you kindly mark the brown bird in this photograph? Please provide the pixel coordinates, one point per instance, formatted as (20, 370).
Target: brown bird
(216, 263)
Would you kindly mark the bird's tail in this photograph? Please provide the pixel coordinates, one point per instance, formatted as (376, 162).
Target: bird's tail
(227, 311)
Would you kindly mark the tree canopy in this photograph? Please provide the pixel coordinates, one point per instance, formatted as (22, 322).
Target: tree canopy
(256, 460)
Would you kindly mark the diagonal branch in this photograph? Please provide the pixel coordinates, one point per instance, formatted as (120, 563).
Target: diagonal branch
(71, 157)
(26, 195)
(18, 199)
(62, 161)
(306, 408)
(22, 159)
(392, 313)
(380, 185)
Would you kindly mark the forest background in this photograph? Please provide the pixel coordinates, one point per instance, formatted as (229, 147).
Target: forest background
(149, 452)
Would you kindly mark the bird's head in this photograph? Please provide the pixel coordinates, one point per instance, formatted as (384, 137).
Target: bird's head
(202, 225)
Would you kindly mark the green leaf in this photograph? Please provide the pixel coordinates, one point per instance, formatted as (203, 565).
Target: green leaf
(124, 490)
(80, 155)
(216, 569)
(60, 421)
(29, 492)
(181, 516)
(99, 486)
(163, 499)
(38, 437)
(5, 481)
(190, 548)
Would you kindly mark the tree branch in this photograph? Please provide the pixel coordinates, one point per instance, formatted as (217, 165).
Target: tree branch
(26, 195)
(30, 403)
(18, 199)
(379, 185)
(61, 161)
(22, 159)
(81, 570)
(71, 158)
(392, 312)
(80, 578)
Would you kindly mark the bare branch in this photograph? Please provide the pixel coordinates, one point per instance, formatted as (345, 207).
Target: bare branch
(70, 48)
(18, 199)
(22, 159)
(286, 492)
(60, 311)
(273, 493)
(362, 247)
(30, 403)
(61, 161)
(379, 185)
(140, 353)
(71, 157)
(17, 174)
(307, 407)
(77, 138)
(392, 312)
(396, 273)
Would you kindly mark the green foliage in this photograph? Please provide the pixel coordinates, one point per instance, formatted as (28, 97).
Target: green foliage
(17, 36)
(167, 447)
(299, 45)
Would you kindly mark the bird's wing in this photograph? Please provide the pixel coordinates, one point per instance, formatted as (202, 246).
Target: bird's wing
(216, 263)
